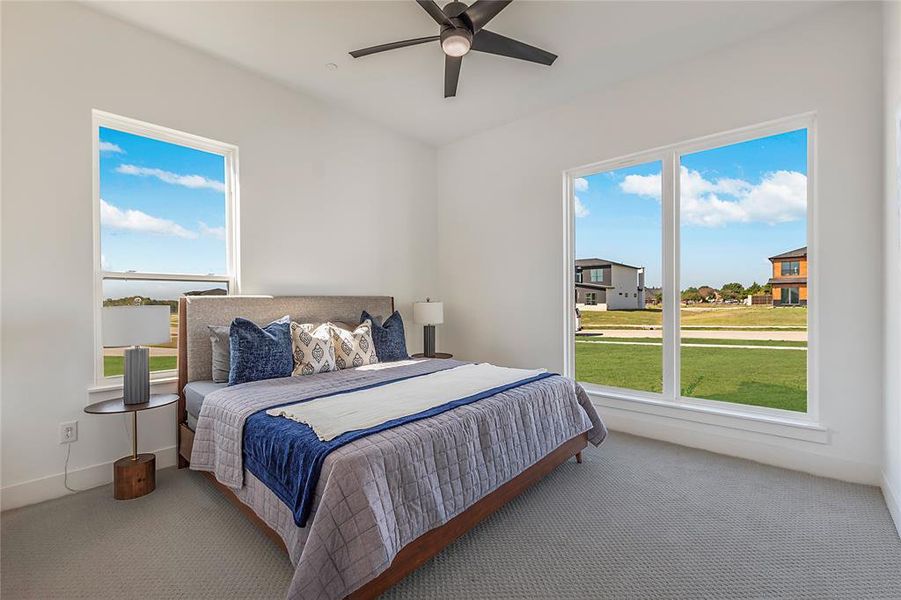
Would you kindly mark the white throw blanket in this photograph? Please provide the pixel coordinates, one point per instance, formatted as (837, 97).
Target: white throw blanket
(331, 416)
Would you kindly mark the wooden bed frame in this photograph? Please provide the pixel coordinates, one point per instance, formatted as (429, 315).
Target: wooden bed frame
(419, 551)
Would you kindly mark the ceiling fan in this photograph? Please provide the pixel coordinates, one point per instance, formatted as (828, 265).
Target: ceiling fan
(462, 30)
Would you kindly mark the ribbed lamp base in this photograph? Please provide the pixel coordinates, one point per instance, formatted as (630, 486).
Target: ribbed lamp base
(428, 341)
(136, 384)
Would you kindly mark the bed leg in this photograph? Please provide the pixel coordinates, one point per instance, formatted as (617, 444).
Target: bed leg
(579, 458)
(182, 463)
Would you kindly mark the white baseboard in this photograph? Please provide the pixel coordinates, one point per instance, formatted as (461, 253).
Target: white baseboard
(893, 501)
(85, 478)
(740, 444)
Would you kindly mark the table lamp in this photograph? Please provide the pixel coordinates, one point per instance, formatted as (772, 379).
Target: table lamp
(135, 327)
(428, 314)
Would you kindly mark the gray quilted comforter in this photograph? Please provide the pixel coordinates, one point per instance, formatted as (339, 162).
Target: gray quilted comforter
(379, 493)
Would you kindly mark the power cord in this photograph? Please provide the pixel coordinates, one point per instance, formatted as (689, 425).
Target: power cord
(69, 454)
(66, 470)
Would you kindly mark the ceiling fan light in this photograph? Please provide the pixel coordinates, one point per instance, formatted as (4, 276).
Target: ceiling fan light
(456, 42)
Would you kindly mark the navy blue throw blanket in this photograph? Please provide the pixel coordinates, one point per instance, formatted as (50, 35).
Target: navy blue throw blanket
(287, 456)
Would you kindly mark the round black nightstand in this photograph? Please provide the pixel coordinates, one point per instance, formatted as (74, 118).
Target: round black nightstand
(133, 476)
(437, 355)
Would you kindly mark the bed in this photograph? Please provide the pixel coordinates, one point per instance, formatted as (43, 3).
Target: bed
(384, 503)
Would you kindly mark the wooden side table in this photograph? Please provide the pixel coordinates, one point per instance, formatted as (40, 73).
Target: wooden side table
(437, 355)
(133, 476)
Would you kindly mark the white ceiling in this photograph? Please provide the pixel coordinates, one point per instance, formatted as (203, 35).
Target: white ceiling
(598, 43)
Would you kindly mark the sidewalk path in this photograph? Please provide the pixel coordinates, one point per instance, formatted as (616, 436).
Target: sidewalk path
(743, 347)
(722, 334)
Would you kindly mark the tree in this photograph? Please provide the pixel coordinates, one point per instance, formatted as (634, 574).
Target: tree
(732, 291)
(707, 293)
(691, 295)
(754, 289)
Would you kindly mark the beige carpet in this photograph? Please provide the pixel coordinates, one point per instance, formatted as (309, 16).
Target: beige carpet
(639, 519)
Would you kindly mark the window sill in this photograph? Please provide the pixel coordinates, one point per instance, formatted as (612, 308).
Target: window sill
(767, 422)
(113, 388)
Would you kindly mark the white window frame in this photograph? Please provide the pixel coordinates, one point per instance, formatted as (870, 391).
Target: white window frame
(670, 402)
(231, 277)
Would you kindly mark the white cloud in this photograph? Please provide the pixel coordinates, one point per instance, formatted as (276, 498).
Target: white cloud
(110, 147)
(216, 232)
(190, 181)
(104, 264)
(135, 220)
(580, 184)
(642, 185)
(780, 197)
(580, 209)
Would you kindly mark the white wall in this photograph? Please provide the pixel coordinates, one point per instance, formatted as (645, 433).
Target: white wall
(624, 280)
(507, 225)
(892, 67)
(330, 204)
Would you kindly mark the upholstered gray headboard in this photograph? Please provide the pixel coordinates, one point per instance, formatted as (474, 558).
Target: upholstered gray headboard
(199, 312)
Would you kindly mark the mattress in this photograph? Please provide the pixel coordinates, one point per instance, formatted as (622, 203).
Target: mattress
(195, 392)
(379, 493)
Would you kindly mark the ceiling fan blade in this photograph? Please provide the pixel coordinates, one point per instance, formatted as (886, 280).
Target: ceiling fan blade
(435, 12)
(493, 43)
(451, 74)
(483, 11)
(393, 45)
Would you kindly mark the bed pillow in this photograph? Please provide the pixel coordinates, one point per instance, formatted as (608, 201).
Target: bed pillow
(219, 344)
(388, 337)
(313, 349)
(354, 348)
(259, 352)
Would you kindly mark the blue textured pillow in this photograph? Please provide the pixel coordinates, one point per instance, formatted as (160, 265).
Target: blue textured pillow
(259, 352)
(388, 337)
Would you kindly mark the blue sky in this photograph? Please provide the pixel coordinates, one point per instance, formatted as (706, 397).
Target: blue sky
(740, 204)
(162, 206)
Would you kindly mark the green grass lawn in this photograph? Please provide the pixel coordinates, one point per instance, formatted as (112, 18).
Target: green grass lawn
(114, 365)
(701, 316)
(772, 378)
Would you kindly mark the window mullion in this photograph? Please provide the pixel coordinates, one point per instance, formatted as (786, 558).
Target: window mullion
(671, 300)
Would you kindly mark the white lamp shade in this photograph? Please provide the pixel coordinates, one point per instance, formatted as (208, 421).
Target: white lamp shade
(135, 325)
(428, 313)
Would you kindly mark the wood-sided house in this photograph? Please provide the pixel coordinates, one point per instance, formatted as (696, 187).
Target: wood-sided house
(789, 280)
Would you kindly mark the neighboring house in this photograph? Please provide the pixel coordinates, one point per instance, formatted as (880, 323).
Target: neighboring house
(609, 285)
(651, 293)
(789, 279)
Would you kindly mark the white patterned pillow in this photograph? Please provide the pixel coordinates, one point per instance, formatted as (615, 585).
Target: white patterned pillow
(354, 348)
(313, 349)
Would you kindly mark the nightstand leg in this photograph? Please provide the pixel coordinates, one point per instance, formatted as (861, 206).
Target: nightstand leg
(134, 435)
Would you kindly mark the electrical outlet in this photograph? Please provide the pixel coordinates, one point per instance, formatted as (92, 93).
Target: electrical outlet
(68, 432)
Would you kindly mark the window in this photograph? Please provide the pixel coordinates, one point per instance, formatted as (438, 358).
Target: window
(791, 295)
(597, 275)
(165, 206)
(617, 348)
(707, 220)
(791, 268)
(741, 203)
(591, 299)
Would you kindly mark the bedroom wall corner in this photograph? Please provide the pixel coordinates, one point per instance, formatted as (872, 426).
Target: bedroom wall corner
(891, 474)
(330, 204)
(509, 226)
